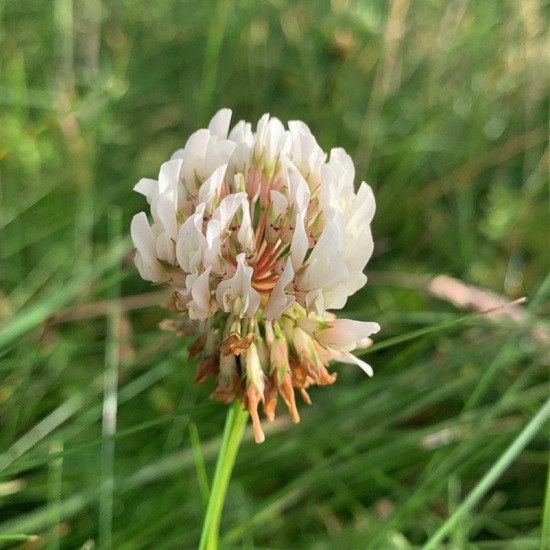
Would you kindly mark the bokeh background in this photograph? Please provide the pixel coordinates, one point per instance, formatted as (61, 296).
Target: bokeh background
(106, 441)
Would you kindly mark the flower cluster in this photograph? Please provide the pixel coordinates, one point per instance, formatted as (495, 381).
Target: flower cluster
(259, 235)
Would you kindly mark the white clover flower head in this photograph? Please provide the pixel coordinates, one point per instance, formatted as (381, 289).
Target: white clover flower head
(259, 235)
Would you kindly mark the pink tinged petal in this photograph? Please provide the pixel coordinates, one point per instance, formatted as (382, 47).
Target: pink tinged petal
(145, 242)
(252, 184)
(236, 295)
(253, 398)
(345, 334)
(148, 188)
(219, 125)
(279, 301)
(254, 371)
(200, 306)
(303, 345)
(364, 343)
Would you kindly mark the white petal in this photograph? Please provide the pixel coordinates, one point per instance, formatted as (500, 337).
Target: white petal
(164, 213)
(363, 206)
(218, 152)
(212, 254)
(169, 176)
(279, 204)
(147, 187)
(342, 164)
(279, 301)
(336, 296)
(270, 136)
(242, 134)
(200, 307)
(165, 248)
(297, 126)
(142, 235)
(347, 357)
(305, 151)
(145, 243)
(193, 158)
(236, 295)
(191, 242)
(298, 189)
(245, 236)
(239, 161)
(227, 209)
(210, 189)
(219, 125)
(315, 301)
(325, 266)
(300, 243)
(345, 334)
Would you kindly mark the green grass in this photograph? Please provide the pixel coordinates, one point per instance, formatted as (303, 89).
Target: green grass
(444, 106)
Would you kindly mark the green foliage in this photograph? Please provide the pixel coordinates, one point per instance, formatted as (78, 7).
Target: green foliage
(445, 109)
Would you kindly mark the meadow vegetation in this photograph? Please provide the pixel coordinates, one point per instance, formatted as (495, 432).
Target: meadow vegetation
(105, 439)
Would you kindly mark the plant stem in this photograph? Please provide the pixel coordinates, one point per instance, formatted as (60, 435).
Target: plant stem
(235, 424)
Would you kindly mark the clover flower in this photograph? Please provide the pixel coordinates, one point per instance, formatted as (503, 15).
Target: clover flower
(258, 235)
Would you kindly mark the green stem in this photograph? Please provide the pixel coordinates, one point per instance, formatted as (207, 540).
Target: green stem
(235, 424)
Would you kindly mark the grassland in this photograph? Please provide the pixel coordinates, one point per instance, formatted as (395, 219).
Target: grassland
(444, 107)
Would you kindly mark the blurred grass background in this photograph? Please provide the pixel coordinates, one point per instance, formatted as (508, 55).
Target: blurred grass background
(444, 107)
